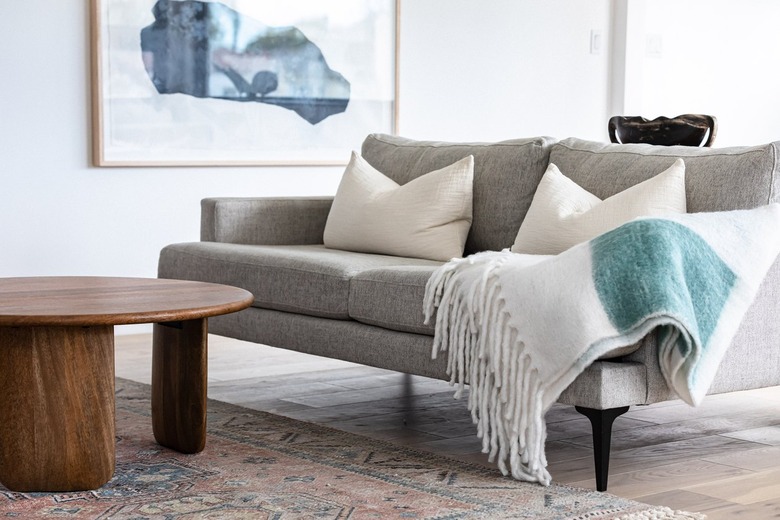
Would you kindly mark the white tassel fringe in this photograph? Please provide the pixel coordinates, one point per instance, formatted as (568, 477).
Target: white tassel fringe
(505, 394)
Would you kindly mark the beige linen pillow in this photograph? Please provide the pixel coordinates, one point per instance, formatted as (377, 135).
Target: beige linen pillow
(563, 214)
(428, 217)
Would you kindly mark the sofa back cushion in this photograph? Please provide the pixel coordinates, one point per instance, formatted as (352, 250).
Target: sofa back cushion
(505, 178)
(717, 179)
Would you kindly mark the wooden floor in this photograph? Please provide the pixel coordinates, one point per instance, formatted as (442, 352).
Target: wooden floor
(722, 458)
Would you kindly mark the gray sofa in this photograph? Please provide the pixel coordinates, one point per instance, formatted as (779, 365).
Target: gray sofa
(367, 308)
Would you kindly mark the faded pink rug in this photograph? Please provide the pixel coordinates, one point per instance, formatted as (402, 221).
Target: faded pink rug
(262, 466)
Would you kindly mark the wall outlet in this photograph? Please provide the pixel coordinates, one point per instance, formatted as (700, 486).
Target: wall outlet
(596, 41)
(654, 45)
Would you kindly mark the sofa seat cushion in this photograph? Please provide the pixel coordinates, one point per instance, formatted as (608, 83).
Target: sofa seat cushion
(391, 298)
(305, 279)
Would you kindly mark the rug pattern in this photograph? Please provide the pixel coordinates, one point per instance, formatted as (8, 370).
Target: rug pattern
(261, 466)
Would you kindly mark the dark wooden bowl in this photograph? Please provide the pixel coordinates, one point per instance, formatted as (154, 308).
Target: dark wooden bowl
(686, 129)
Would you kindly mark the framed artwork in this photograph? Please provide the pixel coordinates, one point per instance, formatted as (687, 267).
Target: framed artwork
(241, 82)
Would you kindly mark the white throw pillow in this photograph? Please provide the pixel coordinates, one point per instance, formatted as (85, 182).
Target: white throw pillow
(428, 217)
(563, 214)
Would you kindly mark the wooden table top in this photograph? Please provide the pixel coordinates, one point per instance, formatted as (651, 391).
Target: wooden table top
(92, 300)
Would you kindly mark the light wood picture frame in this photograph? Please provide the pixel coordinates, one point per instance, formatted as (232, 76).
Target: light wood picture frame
(241, 82)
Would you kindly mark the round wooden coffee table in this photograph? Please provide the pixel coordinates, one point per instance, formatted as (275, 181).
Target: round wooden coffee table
(57, 411)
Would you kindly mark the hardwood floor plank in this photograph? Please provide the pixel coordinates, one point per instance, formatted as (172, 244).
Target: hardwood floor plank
(764, 435)
(712, 406)
(355, 397)
(580, 428)
(668, 477)
(244, 392)
(759, 416)
(393, 379)
(558, 451)
(757, 459)
(767, 510)
(454, 446)
(561, 412)
(747, 488)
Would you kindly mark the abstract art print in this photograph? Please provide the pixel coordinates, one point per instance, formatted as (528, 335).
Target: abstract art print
(241, 82)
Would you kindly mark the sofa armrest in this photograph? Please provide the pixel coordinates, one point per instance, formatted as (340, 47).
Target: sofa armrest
(269, 221)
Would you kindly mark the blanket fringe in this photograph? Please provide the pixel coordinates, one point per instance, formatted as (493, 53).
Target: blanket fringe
(505, 397)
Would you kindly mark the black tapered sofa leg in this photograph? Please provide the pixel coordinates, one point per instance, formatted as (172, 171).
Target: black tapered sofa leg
(601, 422)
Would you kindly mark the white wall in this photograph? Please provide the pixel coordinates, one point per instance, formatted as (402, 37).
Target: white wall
(473, 70)
(714, 57)
(499, 69)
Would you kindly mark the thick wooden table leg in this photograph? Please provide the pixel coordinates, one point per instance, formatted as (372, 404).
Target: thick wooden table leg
(179, 370)
(57, 416)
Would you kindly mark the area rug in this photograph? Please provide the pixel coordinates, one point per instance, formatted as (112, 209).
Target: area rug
(262, 466)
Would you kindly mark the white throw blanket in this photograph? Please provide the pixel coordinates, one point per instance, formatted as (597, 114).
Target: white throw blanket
(520, 328)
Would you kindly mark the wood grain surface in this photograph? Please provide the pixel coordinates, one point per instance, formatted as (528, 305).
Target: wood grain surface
(57, 376)
(179, 374)
(88, 300)
(57, 408)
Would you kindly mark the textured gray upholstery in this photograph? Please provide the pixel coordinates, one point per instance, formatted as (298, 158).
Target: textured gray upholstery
(505, 178)
(608, 384)
(401, 289)
(716, 179)
(310, 279)
(347, 340)
(268, 221)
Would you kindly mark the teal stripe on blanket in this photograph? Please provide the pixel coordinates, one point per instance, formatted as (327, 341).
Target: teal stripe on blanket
(690, 283)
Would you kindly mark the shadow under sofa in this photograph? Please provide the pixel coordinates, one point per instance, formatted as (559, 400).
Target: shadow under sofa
(367, 308)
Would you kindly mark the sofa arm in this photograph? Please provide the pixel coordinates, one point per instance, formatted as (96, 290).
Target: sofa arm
(269, 221)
